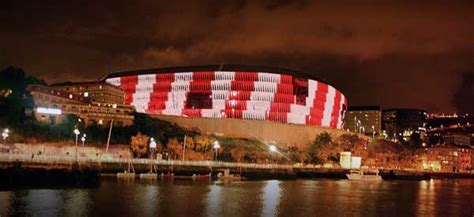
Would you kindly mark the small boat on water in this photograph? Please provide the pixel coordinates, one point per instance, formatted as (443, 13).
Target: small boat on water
(367, 175)
(201, 177)
(234, 178)
(227, 176)
(167, 175)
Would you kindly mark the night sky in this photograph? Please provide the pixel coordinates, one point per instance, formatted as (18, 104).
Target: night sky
(389, 53)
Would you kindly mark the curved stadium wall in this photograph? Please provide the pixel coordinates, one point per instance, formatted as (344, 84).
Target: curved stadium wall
(272, 96)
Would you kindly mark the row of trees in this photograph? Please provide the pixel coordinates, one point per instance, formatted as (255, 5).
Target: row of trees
(378, 152)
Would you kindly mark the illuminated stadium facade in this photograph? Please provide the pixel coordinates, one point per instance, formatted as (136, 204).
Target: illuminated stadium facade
(233, 91)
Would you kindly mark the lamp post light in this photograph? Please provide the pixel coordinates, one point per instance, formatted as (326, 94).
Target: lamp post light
(373, 131)
(5, 134)
(152, 147)
(216, 148)
(83, 139)
(273, 149)
(77, 132)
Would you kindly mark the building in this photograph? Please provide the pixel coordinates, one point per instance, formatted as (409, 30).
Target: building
(233, 91)
(364, 119)
(51, 106)
(439, 121)
(457, 139)
(450, 129)
(401, 123)
(97, 92)
(448, 158)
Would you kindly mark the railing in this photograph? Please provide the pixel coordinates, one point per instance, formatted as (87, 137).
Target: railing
(50, 159)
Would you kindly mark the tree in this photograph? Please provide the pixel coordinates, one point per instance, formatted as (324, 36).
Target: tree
(238, 153)
(190, 144)
(203, 143)
(15, 98)
(175, 149)
(139, 145)
(318, 151)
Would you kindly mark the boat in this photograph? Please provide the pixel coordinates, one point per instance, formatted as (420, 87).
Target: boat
(227, 176)
(234, 177)
(126, 175)
(367, 175)
(129, 173)
(148, 176)
(167, 175)
(201, 177)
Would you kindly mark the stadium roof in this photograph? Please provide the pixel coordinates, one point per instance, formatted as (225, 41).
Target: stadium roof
(221, 67)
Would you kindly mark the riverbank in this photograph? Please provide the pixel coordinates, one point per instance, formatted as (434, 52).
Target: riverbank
(24, 170)
(75, 176)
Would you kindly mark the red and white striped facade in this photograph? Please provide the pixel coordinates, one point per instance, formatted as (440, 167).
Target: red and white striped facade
(234, 94)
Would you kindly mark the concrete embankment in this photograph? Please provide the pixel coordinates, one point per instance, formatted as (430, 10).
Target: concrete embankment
(285, 173)
(20, 177)
(18, 169)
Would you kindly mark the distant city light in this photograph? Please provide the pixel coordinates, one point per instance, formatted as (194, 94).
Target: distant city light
(51, 111)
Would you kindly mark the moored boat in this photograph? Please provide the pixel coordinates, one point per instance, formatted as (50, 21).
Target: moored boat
(367, 175)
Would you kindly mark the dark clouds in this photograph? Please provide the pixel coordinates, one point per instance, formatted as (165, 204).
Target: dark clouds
(392, 53)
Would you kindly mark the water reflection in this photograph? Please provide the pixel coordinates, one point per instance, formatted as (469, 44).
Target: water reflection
(5, 202)
(149, 198)
(246, 198)
(271, 198)
(214, 200)
(43, 202)
(76, 202)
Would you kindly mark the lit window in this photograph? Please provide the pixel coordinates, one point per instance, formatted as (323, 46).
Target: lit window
(86, 94)
(70, 96)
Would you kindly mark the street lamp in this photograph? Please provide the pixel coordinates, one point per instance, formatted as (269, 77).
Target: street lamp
(77, 132)
(83, 139)
(216, 148)
(5, 133)
(152, 147)
(273, 149)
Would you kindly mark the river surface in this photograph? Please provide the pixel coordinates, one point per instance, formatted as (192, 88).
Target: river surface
(119, 198)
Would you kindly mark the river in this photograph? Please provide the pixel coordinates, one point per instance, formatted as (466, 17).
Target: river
(322, 197)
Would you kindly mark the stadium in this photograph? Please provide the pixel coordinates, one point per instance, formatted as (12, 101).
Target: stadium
(233, 92)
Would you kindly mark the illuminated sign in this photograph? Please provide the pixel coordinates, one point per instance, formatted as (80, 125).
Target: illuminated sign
(51, 111)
